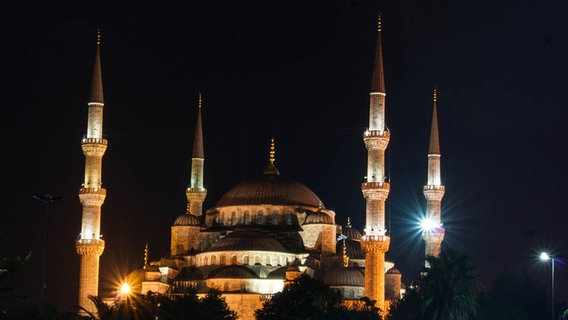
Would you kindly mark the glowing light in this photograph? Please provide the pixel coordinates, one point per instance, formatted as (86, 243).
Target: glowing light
(544, 256)
(428, 225)
(125, 289)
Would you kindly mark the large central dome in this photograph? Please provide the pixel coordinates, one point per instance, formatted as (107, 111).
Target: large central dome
(269, 189)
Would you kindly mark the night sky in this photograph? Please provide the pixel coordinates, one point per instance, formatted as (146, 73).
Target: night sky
(299, 71)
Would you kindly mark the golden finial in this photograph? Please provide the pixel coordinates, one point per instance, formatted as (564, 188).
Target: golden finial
(345, 257)
(146, 255)
(348, 222)
(187, 210)
(435, 94)
(98, 37)
(271, 159)
(379, 23)
(199, 105)
(320, 205)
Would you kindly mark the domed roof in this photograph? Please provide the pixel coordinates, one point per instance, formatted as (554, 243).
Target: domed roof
(353, 247)
(352, 233)
(247, 240)
(344, 277)
(187, 219)
(188, 274)
(269, 189)
(393, 270)
(233, 272)
(318, 217)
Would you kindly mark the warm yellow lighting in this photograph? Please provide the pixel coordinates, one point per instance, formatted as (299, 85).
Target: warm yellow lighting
(125, 289)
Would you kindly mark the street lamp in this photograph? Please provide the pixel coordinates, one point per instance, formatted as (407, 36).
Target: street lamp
(48, 199)
(544, 256)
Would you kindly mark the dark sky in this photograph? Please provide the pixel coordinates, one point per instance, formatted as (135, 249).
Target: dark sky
(299, 71)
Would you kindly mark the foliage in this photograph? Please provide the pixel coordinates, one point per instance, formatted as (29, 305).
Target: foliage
(446, 291)
(514, 296)
(307, 298)
(160, 307)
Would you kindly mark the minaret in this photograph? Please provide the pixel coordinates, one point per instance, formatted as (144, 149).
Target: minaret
(196, 193)
(375, 242)
(433, 234)
(90, 246)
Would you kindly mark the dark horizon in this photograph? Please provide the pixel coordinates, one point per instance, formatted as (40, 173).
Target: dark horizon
(299, 72)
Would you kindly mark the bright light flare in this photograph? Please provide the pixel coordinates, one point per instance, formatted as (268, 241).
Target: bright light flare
(544, 256)
(125, 289)
(428, 225)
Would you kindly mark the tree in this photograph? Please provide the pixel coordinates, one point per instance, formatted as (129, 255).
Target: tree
(447, 290)
(514, 296)
(153, 306)
(307, 298)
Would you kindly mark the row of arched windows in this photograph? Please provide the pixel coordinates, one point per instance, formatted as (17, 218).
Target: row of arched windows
(274, 218)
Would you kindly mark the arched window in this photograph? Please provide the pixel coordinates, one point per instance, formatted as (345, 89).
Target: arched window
(234, 260)
(256, 259)
(289, 218)
(213, 260)
(260, 218)
(274, 218)
(245, 259)
(246, 218)
(223, 259)
(233, 218)
(205, 261)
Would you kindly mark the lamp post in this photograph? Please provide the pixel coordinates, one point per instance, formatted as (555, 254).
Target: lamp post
(545, 257)
(48, 199)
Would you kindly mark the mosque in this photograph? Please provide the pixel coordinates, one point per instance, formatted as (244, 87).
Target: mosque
(266, 231)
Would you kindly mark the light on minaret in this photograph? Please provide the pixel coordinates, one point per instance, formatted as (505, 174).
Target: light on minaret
(92, 195)
(375, 190)
(434, 191)
(196, 193)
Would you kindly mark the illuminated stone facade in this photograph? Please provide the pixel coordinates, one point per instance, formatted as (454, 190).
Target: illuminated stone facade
(89, 244)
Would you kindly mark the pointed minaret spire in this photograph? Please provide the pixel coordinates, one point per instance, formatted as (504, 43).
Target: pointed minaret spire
(271, 168)
(348, 222)
(433, 232)
(198, 138)
(378, 80)
(146, 256)
(434, 138)
(375, 242)
(97, 83)
(196, 193)
(92, 195)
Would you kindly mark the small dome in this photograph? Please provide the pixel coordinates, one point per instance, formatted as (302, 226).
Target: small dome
(279, 273)
(187, 219)
(353, 247)
(247, 240)
(393, 270)
(352, 233)
(189, 274)
(344, 277)
(233, 272)
(318, 217)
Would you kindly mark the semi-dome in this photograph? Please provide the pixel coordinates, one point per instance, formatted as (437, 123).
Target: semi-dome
(344, 277)
(187, 219)
(189, 274)
(269, 189)
(247, 240)
(318, 217)
(233, 272)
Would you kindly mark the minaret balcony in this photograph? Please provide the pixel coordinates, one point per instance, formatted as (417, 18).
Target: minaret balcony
(94, 141)
(90, 246)
(434, 187)
(375, 185)
(99, 191)
(377, 133)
